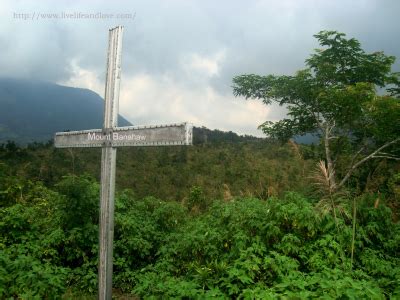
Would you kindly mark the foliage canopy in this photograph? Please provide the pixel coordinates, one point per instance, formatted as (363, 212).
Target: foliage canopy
(335, 97)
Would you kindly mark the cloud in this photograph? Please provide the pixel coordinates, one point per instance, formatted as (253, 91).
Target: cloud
(146, 99)
(149, 99)
(83, 78)
(179, 57)
(206, 65)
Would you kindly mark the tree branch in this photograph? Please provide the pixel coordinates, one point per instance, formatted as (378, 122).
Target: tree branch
(356, 155)
(360, 162)
(331, 168)
(386, 156)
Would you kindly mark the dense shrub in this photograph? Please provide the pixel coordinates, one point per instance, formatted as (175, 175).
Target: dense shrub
(242, 248)
(250, 248)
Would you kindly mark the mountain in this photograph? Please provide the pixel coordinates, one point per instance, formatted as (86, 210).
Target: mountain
(32, 111)
(35, 110)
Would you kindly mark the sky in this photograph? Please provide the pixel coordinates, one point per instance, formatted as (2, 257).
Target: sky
(179, 57)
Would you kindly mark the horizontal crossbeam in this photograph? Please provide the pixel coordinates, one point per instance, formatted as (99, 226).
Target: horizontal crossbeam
(157, 135)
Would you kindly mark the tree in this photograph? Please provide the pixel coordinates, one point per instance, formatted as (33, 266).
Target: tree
(336, 97)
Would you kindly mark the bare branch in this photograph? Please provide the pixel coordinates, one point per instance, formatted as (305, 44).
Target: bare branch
(330, 128)
(385, 153)
(330, 165)
(356, 155)
(368, 157)
(386, 156)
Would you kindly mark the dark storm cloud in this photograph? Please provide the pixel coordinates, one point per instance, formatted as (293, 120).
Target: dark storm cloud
(196, 44)
(259, 36)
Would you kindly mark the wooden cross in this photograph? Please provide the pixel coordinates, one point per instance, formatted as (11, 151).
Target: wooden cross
(109, 138)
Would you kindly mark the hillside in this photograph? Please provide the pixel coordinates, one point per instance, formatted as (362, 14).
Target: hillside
(35, 110)
(255, 167)
(231, 217)
(32, 111)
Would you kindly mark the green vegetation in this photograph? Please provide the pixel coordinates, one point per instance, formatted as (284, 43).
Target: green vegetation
(247, 167)
(335, 96)
(231, 217)
(250, 240)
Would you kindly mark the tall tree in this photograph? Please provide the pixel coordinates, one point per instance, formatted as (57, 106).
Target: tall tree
(336, 97)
